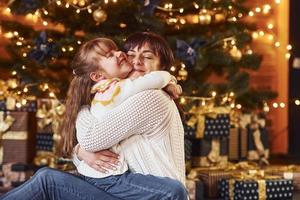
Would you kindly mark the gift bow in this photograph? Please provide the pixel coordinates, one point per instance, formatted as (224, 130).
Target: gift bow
(52, 115)
(5, 124)
(199, 114)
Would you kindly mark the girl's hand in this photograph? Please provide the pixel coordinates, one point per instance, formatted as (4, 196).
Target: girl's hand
(174, 90)
(100, 161)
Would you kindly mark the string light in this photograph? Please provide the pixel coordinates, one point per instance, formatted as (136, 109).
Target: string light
(51, 94)
(182, 100)
(297, 102)
(78, 11)
(24, 102)
(45, 23)
(18, 105)
(289, 47)
(275, 105)
(270, 26)
(58, 3)
(287, 55)
(67, 5)
(14, 73)
(24, 54)
(239, 106)
(173, 69)
(196, 5)
(214, 93)
(251, 13)
(282, 105)
(258, 9)
(277, 1)
(277, 44)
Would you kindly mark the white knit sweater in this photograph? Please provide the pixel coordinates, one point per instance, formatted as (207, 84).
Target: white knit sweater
(152, 119)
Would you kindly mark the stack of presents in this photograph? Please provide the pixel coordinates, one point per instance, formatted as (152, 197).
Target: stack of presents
(227, 157)
(27, 138)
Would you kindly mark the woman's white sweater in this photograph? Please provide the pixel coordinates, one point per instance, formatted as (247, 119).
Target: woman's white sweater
(149, 129)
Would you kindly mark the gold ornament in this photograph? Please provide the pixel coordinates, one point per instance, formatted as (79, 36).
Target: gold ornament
(219, 17)
(182, 74)
(204, 17)
(81, 3)
(236, 54)
(99, 15)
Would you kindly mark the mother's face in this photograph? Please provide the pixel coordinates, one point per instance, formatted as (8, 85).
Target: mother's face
(143, 59)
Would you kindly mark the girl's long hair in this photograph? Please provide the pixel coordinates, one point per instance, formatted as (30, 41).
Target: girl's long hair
(79, 92)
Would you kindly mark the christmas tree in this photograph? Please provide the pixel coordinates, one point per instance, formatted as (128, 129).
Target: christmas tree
(211, 40)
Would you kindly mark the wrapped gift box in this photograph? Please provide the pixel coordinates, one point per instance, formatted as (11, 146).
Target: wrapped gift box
(19, 140)
(288, 172)
(210, 179)
(195, 189)
(209, 152)
(259, 189)
(213, 127)
(16, 173)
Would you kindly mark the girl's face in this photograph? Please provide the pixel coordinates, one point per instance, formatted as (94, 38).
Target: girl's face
(144, 60)
(115, 64)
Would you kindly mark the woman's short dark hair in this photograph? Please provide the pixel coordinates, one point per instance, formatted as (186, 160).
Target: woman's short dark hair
(156, 43)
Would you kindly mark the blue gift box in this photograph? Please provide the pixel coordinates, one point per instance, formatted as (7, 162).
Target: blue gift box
(273, 189)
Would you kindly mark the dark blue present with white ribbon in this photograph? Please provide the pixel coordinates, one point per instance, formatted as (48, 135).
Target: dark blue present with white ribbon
(268, 189)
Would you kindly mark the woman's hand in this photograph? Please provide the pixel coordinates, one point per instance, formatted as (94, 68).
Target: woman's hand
(174, 90)
(100, 161)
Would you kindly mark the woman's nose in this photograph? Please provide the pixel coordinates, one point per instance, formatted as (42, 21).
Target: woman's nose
(136, 60)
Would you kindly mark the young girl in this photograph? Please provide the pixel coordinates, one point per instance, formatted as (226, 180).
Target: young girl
(100, 68)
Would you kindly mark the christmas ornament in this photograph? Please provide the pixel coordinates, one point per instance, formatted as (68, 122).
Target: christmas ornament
(204, 17)
(235, 53)
(25, 6)
(182, 74)
(187, 52)
(81, 3)
(43, 50)
(148, 6)
(219, 17)
(99, 15)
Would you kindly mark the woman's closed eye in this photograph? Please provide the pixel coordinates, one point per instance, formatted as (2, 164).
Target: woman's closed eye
(109, 54)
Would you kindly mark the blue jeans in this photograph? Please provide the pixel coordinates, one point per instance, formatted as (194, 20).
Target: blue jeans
(50, 184)
(134, 186)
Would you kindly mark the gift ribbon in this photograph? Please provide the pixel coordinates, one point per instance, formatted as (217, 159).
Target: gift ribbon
(199, 114)
(15, 135)
(5, 124)
(52, 115)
